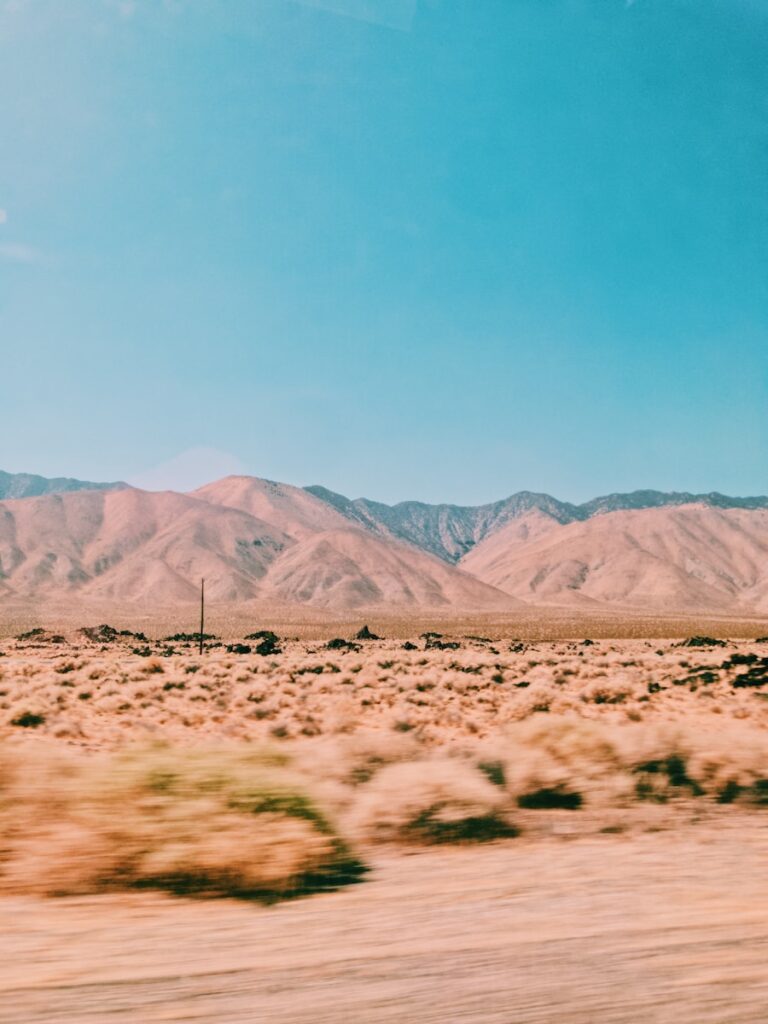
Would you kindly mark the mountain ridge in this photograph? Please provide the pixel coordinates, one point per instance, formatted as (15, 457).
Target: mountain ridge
(30, 485)
(691, 556)
(261, 540)
(452, 531)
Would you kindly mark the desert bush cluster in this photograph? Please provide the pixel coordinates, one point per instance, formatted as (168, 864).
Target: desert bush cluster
(225, 821)
(267, 775)
(265, 822)
(100, 694)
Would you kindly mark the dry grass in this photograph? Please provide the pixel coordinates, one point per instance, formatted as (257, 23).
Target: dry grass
(242, 760)
(216, 821)
(102, 695)
(439, 800)
(233, 621)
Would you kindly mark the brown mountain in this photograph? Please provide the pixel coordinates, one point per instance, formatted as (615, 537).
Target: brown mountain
(337, 564)
(132, 545)
(692, 557)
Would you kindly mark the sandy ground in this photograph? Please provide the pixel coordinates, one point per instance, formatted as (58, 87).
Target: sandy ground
(235, 620)
(659, 928)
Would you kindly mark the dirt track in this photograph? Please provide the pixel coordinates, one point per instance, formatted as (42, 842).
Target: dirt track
(660, 928)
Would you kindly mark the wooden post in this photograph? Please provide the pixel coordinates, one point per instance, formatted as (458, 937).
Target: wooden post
(202, 612)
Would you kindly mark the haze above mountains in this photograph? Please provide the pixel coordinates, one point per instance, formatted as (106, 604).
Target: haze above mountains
(255, 539)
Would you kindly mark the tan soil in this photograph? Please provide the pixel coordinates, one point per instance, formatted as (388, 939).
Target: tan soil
(660, 928)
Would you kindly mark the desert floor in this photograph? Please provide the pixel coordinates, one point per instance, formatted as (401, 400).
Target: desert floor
(234, 621)
(663, 928)
(630, 774)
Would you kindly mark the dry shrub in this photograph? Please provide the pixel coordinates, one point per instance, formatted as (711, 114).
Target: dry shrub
(565, 762)
(433, 801)
(335, 767)
(152, 666)
(656, 759)
(729, 764)
(558, 762)
(217, 821)
(361, 755)
(682, 760)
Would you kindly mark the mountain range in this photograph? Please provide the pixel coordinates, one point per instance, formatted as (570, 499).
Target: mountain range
(258, 539)
(450, 531)
(28, 485)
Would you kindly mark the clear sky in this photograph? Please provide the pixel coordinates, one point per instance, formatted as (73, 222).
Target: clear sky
(435, 249)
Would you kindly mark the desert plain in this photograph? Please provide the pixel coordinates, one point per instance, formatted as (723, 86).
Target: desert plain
(533, 818)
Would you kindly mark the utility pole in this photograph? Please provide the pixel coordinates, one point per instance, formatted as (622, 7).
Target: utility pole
(202, 612)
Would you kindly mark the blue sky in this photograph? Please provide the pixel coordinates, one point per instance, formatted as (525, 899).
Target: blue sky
(435, 249)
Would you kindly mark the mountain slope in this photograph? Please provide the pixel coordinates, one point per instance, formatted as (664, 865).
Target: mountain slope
(129, 545)
(293, 509)
(132, 545)
(692, 557)
(448, 531)
(336, 563)
(351, 568)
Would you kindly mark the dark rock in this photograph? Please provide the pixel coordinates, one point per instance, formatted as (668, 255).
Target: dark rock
(704, 676)
(441, 645)
(366, 634)
(269, 645)
(32, 634)
(740, 659)
(755, 676)
(340, 644)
